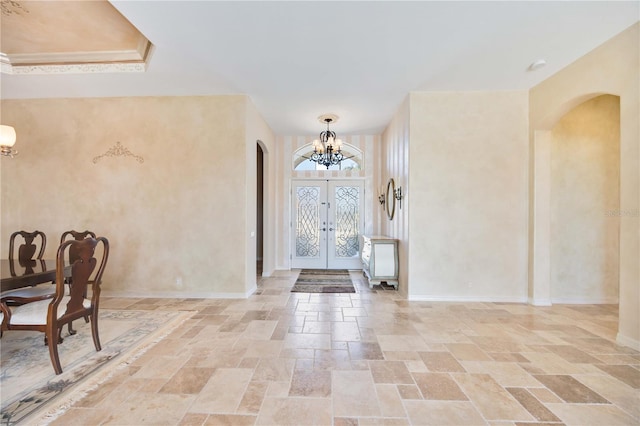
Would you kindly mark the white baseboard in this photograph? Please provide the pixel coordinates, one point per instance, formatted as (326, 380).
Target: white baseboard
(427, 298)
(252, 290)
(179, 294)
(585, 300)
(539, 302)
(628, 341)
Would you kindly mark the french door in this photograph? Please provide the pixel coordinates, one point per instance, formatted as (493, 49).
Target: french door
(327, 221)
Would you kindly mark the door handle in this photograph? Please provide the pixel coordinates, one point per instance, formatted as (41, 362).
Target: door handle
(323, 229)
(330, 229)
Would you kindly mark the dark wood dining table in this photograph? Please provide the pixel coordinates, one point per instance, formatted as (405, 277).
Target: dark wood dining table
(14, 274)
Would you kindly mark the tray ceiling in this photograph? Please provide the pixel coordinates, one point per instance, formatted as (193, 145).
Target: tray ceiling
(69, 36)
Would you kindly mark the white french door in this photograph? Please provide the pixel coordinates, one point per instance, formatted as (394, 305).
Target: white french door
(327, 221)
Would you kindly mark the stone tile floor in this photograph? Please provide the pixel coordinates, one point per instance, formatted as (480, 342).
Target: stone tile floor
(371, 358)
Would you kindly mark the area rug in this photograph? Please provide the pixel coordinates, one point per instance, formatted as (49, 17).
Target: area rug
(323, 281)
(28, 385)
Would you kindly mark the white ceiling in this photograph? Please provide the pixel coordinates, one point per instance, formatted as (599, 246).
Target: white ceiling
(357, 59)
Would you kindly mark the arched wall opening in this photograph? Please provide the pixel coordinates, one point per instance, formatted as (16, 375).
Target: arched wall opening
(576, 194)
(265, 244)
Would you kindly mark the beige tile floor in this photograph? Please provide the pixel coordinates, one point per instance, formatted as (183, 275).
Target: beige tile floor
(372, 358)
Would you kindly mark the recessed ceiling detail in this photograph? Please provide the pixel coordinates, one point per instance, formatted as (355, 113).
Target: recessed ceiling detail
(64, 37)
(10, 7)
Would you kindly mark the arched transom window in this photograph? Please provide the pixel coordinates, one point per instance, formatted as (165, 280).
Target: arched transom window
(352, 161)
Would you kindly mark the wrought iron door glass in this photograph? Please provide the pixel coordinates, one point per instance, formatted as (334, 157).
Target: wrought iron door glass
(347, 241)
(308, 223)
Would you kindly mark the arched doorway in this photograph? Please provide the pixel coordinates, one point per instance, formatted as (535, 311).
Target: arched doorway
(259, 209)
(575, 197)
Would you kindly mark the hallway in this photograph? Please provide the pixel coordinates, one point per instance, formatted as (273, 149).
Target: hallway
(371, 358)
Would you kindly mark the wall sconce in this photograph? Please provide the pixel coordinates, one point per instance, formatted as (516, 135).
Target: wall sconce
(397, 194)
(7, 140)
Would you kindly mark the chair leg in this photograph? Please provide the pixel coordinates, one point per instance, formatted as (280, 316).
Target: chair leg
(70, 326)
(51, 335)
(94, 330)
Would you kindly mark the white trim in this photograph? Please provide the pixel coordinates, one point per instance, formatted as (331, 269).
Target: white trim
(539, 302)
(490, 299)
(179, 295)
(252, 290)
(628, 341)
(612, 300)
(74, 68)
(126, 60)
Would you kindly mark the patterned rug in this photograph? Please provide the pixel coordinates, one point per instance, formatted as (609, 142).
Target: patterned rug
(323, 281)
(29, 387)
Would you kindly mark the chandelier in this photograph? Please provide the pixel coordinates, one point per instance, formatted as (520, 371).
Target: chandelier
(327, 150)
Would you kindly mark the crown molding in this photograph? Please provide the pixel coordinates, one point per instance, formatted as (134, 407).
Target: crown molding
(79, 62)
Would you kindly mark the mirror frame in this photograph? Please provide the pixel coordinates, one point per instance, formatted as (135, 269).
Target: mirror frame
(390, 204)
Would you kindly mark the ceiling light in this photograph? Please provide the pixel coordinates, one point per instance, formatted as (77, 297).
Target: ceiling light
(328, 149)
(537, 64)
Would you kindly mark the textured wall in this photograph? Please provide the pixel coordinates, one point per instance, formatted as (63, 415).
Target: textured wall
(395, 164)
(612, 68)
(585, 173)
(177, 222)
(468, 180)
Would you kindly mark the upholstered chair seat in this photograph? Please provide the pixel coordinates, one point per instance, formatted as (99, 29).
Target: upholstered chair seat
(36, 312)
(43, 291)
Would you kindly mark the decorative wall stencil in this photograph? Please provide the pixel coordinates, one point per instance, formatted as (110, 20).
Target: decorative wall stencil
(10, 7)
(118, 151)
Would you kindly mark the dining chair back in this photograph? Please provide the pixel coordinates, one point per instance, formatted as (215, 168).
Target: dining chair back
(73, 256)
(27, 258)
(27, 250)
(49, 316)
(76, 236)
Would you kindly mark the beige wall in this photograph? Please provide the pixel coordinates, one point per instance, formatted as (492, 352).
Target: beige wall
(585, 166)
(612, 68)
(395, 165)
(177, 222)
(258, 131)
(468, 181)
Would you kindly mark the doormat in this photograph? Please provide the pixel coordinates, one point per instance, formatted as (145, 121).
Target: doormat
(324, 281)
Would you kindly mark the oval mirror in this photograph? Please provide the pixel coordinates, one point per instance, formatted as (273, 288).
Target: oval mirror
(390, 205)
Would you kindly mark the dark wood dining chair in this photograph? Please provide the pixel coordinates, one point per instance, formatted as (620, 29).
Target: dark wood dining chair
(50, 316)
(72, 256)
(76, 236)
(28, 258)
(27, 250)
